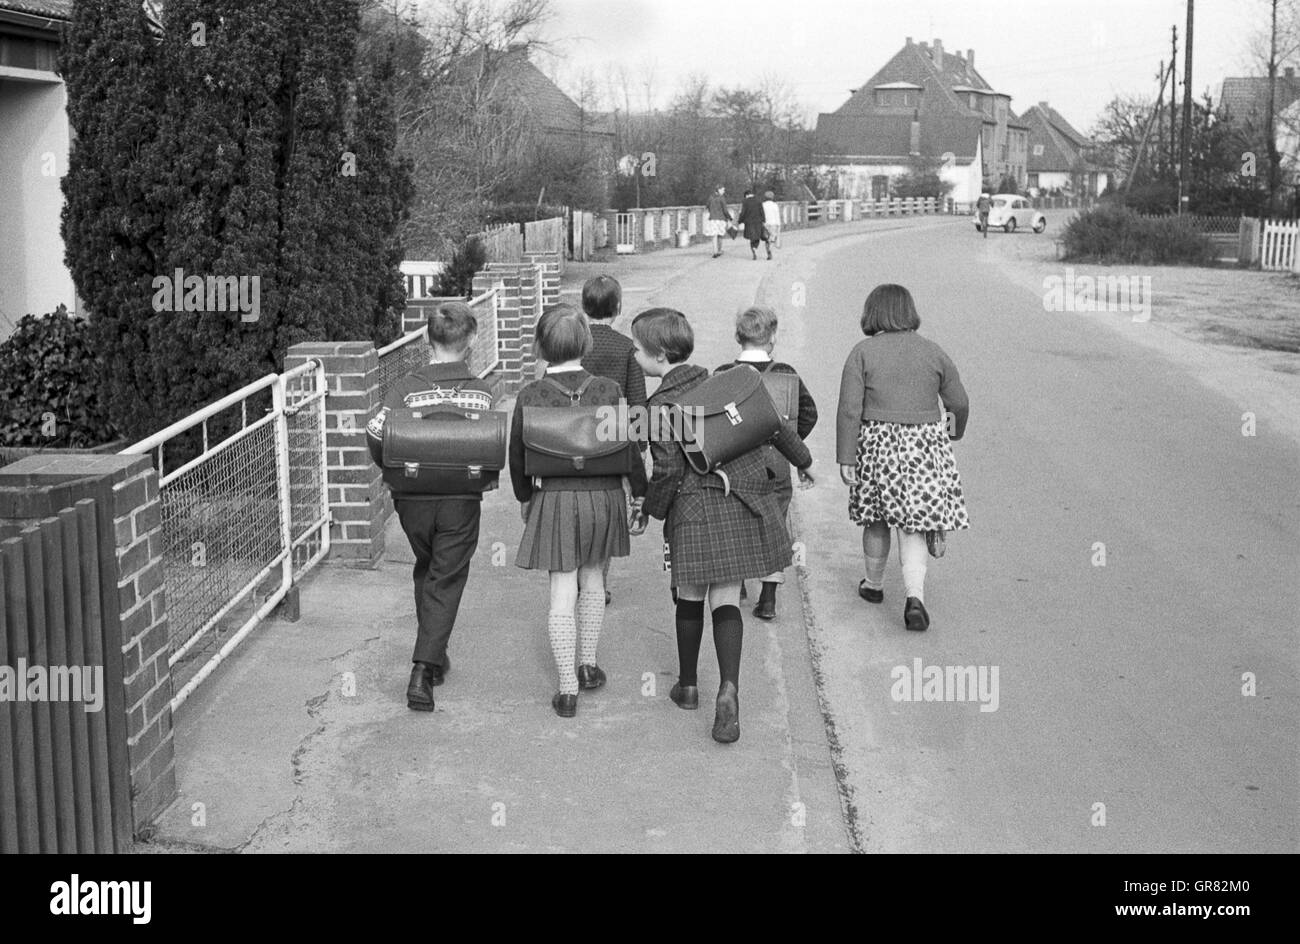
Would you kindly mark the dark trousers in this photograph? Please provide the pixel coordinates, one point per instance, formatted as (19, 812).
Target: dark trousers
(444, 536)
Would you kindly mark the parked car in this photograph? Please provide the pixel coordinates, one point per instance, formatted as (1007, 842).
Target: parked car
(1011, 210)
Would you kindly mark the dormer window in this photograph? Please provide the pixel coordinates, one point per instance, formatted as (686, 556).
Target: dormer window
(898, 95)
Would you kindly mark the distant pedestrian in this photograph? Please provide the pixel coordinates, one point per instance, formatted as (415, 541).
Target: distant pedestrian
(893, 448)
(751, 218)
(982, 207)
(611, 352)
(718, 220)
(771, 222)
(573, 524)
(722, 527)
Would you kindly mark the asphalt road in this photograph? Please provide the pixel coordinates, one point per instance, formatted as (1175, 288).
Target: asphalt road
(1119, 685)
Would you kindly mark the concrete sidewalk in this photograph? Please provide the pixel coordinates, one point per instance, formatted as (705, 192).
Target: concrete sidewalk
(302, 740)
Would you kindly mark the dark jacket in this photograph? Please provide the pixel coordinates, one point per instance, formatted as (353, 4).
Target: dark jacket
(432, 383)
(613, 356)
(751, 218)
(601, 392)
(717, 208)
(718, 531)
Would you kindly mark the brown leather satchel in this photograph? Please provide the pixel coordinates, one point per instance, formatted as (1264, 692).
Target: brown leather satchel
(575, 440)
(784, 390)
(726, 416)
(444, 450)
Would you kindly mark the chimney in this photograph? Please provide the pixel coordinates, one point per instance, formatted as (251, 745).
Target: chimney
(1043, 105)
(970, 58)
(909, 40)
(915, 146)
(938, 54)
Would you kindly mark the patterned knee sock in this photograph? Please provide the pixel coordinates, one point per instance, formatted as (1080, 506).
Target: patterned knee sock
(591, 615)
(912, 553)
(690, 631)
(564, 634)
(728, 631)
(876, 572)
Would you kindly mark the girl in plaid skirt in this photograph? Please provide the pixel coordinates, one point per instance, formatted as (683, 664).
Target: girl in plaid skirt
(718, 536)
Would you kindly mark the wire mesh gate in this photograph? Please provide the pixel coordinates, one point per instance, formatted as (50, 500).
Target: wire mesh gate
(245, 513)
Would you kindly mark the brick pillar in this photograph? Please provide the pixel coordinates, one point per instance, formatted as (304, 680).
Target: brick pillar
(505, 277)
(357, 497)
(140, 714)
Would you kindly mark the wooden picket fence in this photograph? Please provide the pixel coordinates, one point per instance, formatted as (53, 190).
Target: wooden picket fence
(64, 769)
(1280, 246)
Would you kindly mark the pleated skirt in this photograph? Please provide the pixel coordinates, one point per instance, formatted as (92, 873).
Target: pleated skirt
(571, 529)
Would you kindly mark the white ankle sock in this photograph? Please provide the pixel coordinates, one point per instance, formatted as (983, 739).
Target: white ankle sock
(912, 554)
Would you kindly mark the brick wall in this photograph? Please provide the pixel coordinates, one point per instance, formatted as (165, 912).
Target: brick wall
(357, 502)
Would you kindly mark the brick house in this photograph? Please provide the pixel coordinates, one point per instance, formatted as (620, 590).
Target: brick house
(923, 103)
(1060, 158)
(1243, 103)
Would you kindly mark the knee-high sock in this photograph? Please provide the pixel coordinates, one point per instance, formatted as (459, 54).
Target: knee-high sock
(912, 554)
(728, 630)
(875, 553)
(563, 633)
(590, 617)
(690, 631)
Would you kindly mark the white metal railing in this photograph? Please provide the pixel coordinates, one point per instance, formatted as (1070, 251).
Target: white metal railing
(238, 512)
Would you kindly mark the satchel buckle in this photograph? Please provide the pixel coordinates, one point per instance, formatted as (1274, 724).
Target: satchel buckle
(411, 469)
(475, 472)
(579, 462)
(733, 414)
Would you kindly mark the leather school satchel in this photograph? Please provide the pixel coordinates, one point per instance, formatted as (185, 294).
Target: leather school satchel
(726, 416)
(784, 390)
(569, 441)
(444, 449)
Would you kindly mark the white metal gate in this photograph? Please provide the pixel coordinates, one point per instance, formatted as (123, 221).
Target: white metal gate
(243, 518)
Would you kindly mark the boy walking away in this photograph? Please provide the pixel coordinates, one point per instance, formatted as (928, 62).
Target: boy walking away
(771, 222)
(611, 353)
(442, 528)
(982, 208)
(722, 527)
(751, 218)
(756, 335)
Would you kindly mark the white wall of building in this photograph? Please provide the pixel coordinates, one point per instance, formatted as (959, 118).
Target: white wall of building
(33, 159)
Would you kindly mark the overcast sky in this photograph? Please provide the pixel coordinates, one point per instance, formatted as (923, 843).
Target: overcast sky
(1075, 54)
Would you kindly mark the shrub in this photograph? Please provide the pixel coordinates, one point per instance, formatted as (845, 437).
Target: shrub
(48, 379)
(1111, 234)
(458, 277)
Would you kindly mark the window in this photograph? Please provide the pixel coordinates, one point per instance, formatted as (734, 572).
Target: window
(880, 188)
(896, 98)
(1038, 150)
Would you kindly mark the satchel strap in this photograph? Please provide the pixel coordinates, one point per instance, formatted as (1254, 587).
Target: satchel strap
(575, 396)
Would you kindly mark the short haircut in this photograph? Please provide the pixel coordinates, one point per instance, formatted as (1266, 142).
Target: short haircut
(452, 325)
(664, 331)
(563, 334)
(602, 297)
(769, 195)
(755, 325)
(889, 307)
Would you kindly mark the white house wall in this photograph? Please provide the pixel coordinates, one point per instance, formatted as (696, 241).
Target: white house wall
(33, 279)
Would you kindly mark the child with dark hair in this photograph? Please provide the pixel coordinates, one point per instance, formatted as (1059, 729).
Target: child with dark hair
(442, 529)
(573, 524)
(756, 335)
(611, 353)
(893, 445)
(721, 528)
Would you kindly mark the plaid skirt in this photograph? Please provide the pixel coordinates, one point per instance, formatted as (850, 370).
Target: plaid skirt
(717, 538)
(571, 529)
(907, 478)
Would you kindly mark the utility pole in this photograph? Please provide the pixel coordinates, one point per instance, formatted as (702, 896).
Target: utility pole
(1184, 169)
(1146, 132)
(1159, 149)
(1173, 94)
(1273, 155)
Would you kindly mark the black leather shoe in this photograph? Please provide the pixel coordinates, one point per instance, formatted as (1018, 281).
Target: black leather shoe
(437, 673)
(608, 598)
(914, 615)
(765, 610)
(419, 693)
(685, 696)
(590, 676)
(566, 706)
(726, 722)
(871, 596)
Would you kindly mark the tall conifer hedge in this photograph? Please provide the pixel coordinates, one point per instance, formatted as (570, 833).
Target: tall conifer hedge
(246, 142)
